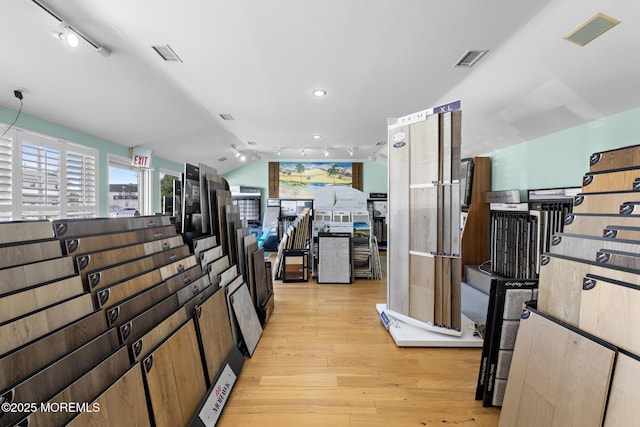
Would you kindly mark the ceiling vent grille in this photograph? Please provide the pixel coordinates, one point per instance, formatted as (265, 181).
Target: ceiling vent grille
(226, 116)
(469, 58)
(252, 143)
(222, 159)
(592, 29)
(167, 53)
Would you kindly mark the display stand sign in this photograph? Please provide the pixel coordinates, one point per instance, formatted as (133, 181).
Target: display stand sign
(211, 408)
(338, 197)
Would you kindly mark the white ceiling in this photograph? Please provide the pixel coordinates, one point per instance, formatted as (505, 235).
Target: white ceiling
(260, 61)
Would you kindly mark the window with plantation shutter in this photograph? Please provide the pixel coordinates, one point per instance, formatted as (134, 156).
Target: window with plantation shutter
(5, 177)
(45, 178)
(40, 181)
(80, 185)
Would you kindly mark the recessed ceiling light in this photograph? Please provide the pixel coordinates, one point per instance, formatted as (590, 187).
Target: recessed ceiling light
(316, 136)
(319, 92)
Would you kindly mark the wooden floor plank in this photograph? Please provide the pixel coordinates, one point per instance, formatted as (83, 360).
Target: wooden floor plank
(29, 300)
(28, 328)
(620, 180)
(15, 278)
(175, 378)
(606, 203)
(26, 360)
(619, 158)
(550, 362)
(122, 404)
(624, 399)
(25, 253)
(22, 231)
(594, 224)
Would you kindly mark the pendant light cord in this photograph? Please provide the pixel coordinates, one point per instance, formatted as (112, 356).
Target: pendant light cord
(14, 122)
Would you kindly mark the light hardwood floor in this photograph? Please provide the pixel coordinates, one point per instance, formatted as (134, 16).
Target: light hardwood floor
(326, 360)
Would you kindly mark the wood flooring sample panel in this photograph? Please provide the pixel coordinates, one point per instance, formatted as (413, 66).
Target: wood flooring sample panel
(561, 281)
(27, 301)
(28, 328)
(178, 266)
(141, 346)
(621, 180)
(87, 226)
(217, 267)
(146, 320)
(624, 398)
(587, 247)
(175, 378)
(110, 275)
(210, 255)
(621, 232)
(606, 203)
(122, 404)
(60, 374)
(214, 332)
(615, 159)
(424, 144)
(26, 360)
(23, 276)
(594, 224)
(180, 280)
(552, 362)
(609, 310)
(260, 275)
(398, 220)
(119, 292)
(18, 254)
(23, 231)
(203, 243)
(423, 221)
(422, 287)
(620, 259)
(247, 317)
(85, 389)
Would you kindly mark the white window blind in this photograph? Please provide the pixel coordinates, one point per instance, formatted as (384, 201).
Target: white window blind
(81, 184)
(45, 178)
(5, 177)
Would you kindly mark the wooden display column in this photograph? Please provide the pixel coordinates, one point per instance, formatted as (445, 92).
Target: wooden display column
(475, 236)
(423, 256)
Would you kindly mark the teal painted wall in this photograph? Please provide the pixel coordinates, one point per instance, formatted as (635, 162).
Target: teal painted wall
(44, 127)
(562, 158)
(256, 174)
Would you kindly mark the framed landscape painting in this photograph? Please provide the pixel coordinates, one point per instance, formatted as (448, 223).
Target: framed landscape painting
(301, 179)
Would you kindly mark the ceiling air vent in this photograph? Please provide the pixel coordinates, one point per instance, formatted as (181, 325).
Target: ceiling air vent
(469, 58)
(222, 159)
(592, 29)
(252, 143)
(167, 53)
(226, 116)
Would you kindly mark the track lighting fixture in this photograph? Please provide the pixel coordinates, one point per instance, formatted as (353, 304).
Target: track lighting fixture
(235, 151)
(325, 151)
(67, 35)
(279, 151)
(303, 153)
(350, 151)
(70, 34)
